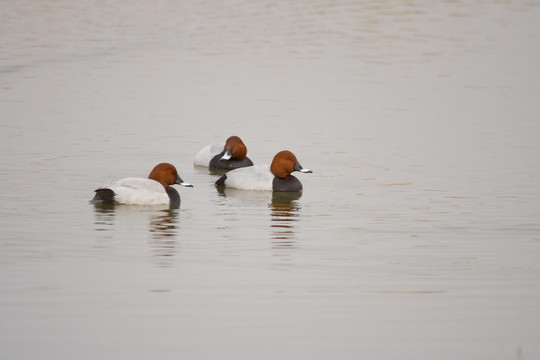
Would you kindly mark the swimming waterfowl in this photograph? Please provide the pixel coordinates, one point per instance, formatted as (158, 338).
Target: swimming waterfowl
(276, 177)
(139, 191)
(224, 156)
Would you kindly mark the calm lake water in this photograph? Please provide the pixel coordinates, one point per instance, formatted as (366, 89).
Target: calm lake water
(416, 237)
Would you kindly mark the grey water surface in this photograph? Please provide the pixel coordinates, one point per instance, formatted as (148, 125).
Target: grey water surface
(417, 235)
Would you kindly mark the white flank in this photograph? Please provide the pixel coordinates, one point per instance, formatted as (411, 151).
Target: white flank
(138, 191)
(257, 177)
(206, 154)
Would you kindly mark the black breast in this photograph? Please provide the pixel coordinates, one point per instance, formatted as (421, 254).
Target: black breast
(174, 196)
(230, 164)
(289, 183)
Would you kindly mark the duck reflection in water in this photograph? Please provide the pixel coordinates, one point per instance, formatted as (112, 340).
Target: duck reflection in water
(104, 213)
(164, 229)
(111, 220)
(285, 210)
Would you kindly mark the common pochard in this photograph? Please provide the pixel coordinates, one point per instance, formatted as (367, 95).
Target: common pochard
(224, 156)
(276, 177)
(152, 191)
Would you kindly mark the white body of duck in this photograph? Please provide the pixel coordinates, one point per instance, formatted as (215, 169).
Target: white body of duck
(207, 153)
(256, 177)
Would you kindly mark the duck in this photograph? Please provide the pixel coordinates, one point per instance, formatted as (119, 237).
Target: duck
(274, 177)
(224, 156)
(154, 190)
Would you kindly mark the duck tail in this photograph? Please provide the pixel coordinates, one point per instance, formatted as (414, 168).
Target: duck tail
(221, 180)
(104, 196)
